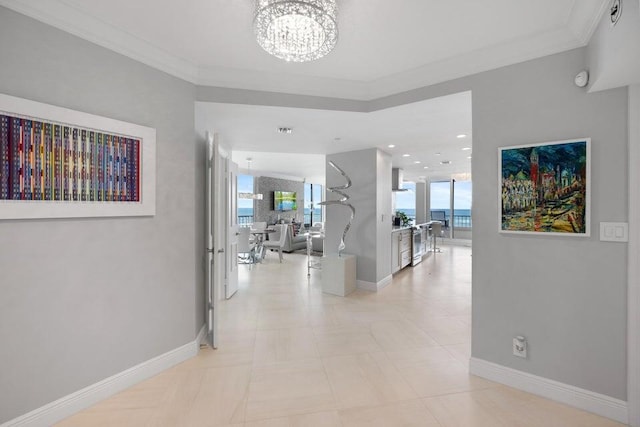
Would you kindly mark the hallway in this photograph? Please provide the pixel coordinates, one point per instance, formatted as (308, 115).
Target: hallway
(292, 356)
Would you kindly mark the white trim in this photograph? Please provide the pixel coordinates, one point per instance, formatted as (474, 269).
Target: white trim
(67, 18)
(574, 396)
(374, 287)
(202, 334)
(66, 406)
(633, 268)
(16, 209)
(578, 29)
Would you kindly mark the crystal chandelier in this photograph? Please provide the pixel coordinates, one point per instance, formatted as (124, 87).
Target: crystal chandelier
(296, 30)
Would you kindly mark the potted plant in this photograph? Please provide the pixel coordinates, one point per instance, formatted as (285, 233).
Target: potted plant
(404, 219)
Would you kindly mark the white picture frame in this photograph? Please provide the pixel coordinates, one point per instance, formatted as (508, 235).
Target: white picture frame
(559, 204)
(33, 209)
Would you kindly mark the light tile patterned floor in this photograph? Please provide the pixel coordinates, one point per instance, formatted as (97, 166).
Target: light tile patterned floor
(291, 356)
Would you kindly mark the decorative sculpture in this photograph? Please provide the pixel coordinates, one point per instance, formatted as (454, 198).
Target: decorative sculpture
(343, 202)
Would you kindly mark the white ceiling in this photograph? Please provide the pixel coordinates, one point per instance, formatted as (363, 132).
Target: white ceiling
(384, 46)
(421, 129)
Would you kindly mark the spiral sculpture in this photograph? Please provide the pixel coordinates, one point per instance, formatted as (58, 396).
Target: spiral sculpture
(343, 202)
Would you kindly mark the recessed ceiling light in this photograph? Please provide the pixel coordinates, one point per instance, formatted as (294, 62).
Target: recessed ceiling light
(426, 167)
(462, 135)
(285, 130)
(417, 162)
(469, 157)
(406, 155)
(391, 146)
(466, 149)
(445, 162)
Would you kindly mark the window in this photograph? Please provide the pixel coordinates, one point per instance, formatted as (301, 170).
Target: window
(462, 204)
(245, 206)
(440, 203)
(406, 200)
(312, 209)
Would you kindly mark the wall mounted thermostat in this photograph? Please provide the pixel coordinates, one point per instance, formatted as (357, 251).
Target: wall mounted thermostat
(615, 11)
(582, 79)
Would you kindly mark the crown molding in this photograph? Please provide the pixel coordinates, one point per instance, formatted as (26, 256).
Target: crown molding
(581, 22)
(69, 19)
(584, 22)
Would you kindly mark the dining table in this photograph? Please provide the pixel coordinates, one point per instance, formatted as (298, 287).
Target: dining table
(260, 235)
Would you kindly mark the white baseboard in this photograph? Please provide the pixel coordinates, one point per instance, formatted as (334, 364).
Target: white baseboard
(374, 287)
(200, 338)
(574, 396)
(66, 406)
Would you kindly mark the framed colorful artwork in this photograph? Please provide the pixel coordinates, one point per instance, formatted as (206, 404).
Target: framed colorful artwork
(544, 188)
(60, 163)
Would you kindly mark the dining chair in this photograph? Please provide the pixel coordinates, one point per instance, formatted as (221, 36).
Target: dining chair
(258, 226)
(246, 249)
(277, 239)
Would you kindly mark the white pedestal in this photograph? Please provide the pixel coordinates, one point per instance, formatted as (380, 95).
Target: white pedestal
(339, 274)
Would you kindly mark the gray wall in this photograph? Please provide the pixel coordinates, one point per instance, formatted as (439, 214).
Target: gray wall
(362, 240)
(614, 52)
(383, 215)
(263, 209)
(83, 299)
(566, 295)
(421, 203)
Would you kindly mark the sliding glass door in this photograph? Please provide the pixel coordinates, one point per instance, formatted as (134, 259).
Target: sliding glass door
(450, 202)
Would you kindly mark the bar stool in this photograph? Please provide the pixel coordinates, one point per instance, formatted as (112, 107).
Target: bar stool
(436, 230)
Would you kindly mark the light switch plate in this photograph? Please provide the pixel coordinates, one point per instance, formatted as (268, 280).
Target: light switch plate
(614, 232)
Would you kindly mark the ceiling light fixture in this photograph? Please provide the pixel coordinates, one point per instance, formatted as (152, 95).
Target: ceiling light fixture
(406, 155)
(391, 146)
(426, 167)
(296, 30)
(462, 135)
(466, 149)
(445, 162)
(417, 162)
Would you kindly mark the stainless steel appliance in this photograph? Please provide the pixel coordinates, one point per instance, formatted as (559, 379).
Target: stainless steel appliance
(416, 246)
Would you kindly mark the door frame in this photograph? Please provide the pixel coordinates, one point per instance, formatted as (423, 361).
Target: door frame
(633, 267)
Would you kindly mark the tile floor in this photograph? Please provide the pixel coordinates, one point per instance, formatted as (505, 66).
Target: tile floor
(292, 356)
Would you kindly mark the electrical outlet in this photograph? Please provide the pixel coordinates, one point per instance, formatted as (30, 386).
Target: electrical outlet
(520, 346)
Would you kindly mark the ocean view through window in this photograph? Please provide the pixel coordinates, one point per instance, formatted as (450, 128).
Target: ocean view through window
(406, 200)
(440, 202)
(245, 206)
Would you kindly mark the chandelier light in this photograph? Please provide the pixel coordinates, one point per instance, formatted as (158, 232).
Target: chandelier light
(296, 30)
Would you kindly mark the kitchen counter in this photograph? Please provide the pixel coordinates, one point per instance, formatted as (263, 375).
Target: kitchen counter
(396, 228)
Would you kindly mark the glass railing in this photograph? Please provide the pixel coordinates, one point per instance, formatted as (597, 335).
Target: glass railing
(245, 220)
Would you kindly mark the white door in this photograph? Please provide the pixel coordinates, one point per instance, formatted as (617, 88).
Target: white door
(213, 263)
(232, 231)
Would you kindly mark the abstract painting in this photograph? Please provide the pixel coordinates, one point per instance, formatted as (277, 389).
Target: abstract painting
(544, 188)
(61, 163)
